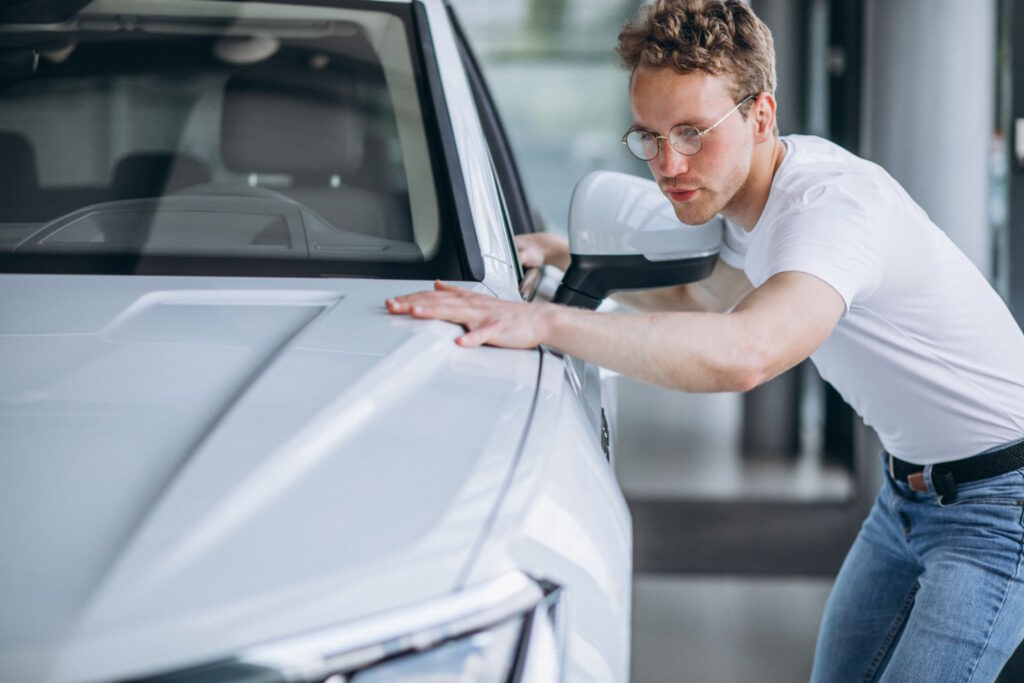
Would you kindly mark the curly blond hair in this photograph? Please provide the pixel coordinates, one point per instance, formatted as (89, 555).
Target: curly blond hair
(714, 36)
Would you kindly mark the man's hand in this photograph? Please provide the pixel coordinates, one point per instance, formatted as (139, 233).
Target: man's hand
(775, 327)
(487, 319)
(538, 249)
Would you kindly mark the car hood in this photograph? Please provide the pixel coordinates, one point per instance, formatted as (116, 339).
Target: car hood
(195, 465)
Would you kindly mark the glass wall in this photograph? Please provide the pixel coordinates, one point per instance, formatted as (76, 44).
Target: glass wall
(552, 68)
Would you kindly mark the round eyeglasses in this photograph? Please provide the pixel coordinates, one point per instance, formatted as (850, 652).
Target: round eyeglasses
(684, 138)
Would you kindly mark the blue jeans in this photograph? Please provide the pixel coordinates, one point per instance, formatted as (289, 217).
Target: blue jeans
(929, 591)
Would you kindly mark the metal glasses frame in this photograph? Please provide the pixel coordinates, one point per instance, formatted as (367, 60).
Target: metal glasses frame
(700, 133)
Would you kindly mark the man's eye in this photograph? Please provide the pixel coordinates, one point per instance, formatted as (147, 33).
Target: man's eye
(646, 137)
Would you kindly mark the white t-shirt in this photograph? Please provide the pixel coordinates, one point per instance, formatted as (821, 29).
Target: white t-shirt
(926, 351)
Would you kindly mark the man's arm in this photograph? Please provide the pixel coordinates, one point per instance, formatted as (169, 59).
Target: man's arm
(775, 327)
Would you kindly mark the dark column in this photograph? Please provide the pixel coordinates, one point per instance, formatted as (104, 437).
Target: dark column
(1015, 14)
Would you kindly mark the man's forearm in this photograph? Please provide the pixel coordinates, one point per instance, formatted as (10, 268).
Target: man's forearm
(772, 329)
(688, 351)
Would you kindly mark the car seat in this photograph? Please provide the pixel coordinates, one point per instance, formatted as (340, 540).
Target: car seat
(19, 183)
(313, 128)
(154, 174)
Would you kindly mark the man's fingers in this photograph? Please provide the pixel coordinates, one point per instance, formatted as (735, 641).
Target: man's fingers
(397, 306)
(404, 303)
(531, 257)
(452, 311)
(438, 309)
(485, 319)
(479, 336)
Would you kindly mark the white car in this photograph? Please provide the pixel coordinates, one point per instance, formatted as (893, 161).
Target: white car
(221, 459)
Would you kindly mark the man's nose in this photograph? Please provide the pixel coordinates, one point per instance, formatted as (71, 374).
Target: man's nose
(670, 161)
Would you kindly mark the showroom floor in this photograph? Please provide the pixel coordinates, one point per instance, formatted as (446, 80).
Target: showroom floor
(719, 629)
(725, 630)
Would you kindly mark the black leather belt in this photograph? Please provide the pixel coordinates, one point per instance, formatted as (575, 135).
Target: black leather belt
(946, 475)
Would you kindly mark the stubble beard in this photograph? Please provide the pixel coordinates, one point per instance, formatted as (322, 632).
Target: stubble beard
(700, 212)
(709, 202)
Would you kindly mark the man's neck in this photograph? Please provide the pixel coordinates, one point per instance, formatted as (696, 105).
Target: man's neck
(748, 203)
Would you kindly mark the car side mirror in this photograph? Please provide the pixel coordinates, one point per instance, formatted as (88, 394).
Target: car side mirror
(624, 234)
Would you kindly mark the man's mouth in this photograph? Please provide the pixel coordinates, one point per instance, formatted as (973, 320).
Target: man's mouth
(681, 195)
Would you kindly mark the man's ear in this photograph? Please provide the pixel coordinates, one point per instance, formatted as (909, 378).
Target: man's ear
(763, 112)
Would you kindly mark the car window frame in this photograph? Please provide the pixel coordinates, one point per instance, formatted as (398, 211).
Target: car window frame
(518, 214)
(509, 178)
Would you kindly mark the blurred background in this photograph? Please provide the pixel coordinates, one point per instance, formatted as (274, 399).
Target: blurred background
(744, 505)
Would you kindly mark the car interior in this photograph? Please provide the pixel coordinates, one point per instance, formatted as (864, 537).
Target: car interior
(102, 115)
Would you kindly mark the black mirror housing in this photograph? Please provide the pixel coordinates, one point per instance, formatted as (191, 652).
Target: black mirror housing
(624, 234)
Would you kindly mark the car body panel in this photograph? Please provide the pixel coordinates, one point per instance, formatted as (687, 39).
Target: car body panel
(198, 466)
(160, 525)
(565, 519)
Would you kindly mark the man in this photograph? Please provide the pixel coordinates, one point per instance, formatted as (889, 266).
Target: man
(825, 257)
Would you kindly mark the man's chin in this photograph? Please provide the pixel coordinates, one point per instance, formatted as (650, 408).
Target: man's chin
(694, 215)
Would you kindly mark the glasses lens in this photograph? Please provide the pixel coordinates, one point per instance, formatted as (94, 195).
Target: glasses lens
(642, 144)
(685, 139)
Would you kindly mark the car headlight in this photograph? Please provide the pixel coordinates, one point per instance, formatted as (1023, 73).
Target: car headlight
(483, 657)
(509, 629)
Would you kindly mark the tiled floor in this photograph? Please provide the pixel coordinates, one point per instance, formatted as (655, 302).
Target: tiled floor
(716, 629)
(725, 630)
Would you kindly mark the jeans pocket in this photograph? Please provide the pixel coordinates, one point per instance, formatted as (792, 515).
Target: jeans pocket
(1009, 502)
(1003, 489)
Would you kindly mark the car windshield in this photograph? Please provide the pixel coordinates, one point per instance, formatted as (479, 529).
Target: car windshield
(197, 137)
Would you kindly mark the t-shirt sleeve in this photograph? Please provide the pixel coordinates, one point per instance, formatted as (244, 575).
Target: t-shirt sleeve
(843, 251)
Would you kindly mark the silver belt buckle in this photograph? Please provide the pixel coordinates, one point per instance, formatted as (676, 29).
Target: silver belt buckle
(892, 468)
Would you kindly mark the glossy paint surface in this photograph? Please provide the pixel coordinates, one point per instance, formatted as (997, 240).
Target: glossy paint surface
(565, 520)
(194, 467)
(213, 463)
